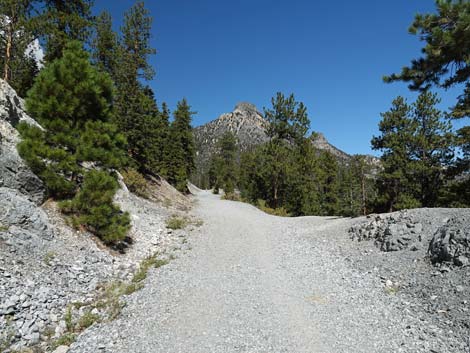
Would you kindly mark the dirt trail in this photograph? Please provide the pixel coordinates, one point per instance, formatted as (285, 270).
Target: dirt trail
(258, 283)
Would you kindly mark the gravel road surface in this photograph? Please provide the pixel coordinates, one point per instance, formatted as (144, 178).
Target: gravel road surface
(257, 283)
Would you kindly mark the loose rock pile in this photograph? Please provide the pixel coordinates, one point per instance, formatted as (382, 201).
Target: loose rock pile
(392, 232)
(451, 242)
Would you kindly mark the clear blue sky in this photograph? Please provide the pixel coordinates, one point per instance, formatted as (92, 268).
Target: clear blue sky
(330, 54)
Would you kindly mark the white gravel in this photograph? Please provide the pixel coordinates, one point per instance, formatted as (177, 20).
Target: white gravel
(251, 282)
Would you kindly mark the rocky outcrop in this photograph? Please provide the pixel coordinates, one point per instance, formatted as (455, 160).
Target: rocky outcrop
(320, 142)
(451, 242)
(446, 238)
(392, 232)
(14, 173)
(20, 216)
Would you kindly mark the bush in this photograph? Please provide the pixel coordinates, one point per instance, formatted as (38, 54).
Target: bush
(136, 182)
(175, 222)
(93, 208)
(231, 196)
(87, 320)
(65, 340)
(280, 211)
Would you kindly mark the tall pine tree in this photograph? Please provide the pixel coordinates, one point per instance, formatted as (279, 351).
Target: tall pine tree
(223, 167)
(396, 127)
(431, 151)
(63, 21)
(105, 44)
(182, 142)
(19, 66)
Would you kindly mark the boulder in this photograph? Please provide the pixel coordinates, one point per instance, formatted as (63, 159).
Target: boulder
(14, 173)
(451, 242)
(17, 213)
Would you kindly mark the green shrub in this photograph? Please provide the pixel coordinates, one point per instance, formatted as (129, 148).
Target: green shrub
(65, 340)
(93, 208)
(144, 267)
(231, 196)
(175, 222)
(87, 320)
(280, 211)
(135, 182)
(68, 319)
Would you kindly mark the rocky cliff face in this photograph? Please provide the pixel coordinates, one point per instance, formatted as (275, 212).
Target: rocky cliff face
(14, 173)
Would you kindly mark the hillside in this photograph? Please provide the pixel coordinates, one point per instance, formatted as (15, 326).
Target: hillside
(249, 127)
(46, 265)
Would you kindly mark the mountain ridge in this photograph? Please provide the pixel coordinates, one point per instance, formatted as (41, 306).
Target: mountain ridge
(250, 128)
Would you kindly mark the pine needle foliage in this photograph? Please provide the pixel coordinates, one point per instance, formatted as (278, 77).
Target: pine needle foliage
(72, 101)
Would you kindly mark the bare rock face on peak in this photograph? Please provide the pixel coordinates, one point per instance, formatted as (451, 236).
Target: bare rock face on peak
(321, 143)
(245, 122)
(250, 128)
(14, 173)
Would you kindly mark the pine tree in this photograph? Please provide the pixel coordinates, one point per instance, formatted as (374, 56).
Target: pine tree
(223, 166)
(303, 194)
(73, 103)
(63, 21)
(105, 44)
(329, 184)
(287, 119)
(395, 189)
(182, 141)
(16, 33)
(166, 148)
(445, 64)
(288, 124)
(431, 151)
(445, 55)
(93, 207)
(356, 187)
(136, 33)
(136, 111)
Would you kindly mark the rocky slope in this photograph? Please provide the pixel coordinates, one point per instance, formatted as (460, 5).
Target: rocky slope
(249, 126)
(45, 265)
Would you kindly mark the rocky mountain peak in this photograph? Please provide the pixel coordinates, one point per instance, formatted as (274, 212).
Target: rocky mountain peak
(320, 142)
(247, 108)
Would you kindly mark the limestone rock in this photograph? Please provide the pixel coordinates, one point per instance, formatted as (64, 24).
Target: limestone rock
(451, 242)
(392, 232)
(17, 211)
(14, 173)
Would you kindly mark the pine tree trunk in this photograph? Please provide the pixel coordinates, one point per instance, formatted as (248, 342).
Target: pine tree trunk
(275, 196)
(6, 66)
